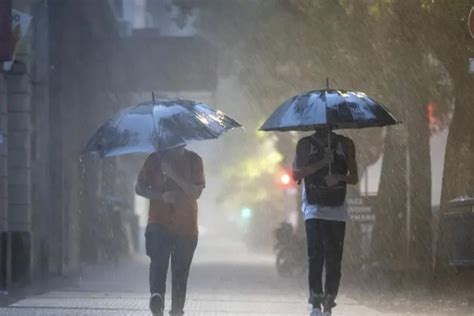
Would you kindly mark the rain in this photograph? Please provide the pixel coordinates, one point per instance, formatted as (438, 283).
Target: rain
(211, 157)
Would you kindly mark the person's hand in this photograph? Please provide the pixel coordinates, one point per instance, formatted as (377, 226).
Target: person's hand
(332, 179)
(171, 197)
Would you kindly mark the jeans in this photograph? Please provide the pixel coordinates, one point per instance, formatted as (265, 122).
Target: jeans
(161, 245)
(325, 245)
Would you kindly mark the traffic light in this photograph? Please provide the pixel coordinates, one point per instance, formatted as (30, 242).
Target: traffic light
(246, 213)
(285, 179)
(433, 117)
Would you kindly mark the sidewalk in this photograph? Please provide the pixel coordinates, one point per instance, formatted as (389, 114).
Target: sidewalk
(87, 303)
(226, 280)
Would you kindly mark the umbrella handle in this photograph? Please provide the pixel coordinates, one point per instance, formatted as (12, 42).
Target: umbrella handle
(329, 147)
(329, 129)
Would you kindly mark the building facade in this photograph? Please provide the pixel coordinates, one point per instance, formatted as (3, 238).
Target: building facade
(76, 65)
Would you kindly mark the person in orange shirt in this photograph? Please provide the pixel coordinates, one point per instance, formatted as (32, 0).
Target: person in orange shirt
(173, 181)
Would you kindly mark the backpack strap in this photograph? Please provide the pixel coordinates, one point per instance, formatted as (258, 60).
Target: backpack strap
(319, 143)
(315, 142)
(336, 139)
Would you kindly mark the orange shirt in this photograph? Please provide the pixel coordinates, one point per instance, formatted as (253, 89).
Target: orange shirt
(181, 216)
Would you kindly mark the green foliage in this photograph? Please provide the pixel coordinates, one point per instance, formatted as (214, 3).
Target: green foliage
(406, 54)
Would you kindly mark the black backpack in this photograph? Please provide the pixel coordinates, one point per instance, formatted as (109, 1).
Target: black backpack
(317, 190)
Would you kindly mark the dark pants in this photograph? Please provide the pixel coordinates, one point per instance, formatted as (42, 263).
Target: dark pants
(161, 244)
(325, 246)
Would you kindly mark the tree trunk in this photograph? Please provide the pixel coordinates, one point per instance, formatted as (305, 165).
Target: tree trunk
(389, 231)
(419, 212)
(458, 177)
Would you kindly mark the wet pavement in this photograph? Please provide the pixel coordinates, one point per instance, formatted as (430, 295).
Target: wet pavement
(226, 279)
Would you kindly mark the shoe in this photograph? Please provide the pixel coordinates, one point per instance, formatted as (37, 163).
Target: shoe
(328, 310)
(156, 304)
(316, 312)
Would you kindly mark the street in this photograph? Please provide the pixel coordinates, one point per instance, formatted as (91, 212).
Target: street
(226, 279)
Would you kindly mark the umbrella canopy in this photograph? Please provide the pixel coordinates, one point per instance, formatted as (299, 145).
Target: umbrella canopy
(333, 109)
(158, 125)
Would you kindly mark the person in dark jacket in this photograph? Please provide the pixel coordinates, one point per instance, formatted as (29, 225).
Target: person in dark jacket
(325, 209)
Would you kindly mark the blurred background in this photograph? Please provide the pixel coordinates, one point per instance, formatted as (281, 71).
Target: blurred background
(68, 65)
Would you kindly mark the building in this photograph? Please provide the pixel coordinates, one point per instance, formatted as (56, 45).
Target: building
(76, 64)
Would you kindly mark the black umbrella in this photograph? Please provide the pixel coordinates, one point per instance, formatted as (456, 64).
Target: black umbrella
(331, 109)
(158, 125)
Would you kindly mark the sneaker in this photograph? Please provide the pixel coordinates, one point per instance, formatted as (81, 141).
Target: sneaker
(316, 312)
(156, 304)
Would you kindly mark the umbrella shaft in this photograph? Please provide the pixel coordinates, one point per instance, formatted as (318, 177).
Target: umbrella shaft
(329, 147)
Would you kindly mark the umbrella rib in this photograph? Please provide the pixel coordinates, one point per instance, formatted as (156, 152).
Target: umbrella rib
(104, 151)
(154, 119)
(202, 123)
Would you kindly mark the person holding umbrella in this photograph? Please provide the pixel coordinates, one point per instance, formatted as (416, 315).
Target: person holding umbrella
(325, 162)
(173, 181)
(172, 178)
(325, 209)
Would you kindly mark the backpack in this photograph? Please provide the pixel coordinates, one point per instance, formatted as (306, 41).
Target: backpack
(317, 190)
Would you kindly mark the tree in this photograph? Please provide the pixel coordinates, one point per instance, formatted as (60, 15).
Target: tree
(394, 50)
